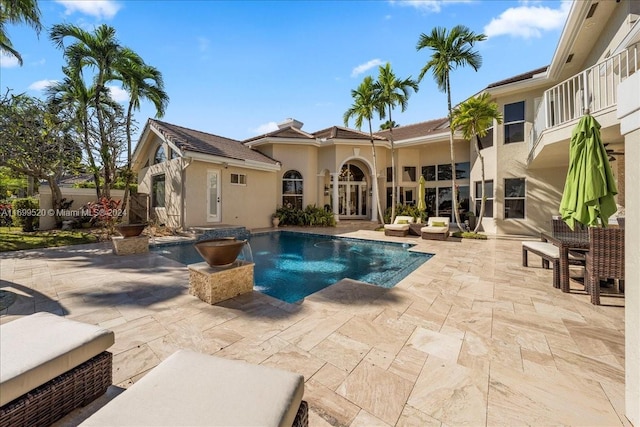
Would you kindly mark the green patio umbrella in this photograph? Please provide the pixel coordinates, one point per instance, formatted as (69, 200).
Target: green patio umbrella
(421, 205)
(590, 187)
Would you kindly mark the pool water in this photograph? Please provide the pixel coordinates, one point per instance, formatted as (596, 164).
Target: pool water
(290, 266)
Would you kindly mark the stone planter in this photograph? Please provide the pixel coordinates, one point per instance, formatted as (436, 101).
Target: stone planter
(275, 221)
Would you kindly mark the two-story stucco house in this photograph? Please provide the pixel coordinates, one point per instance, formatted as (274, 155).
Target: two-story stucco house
(198, 179)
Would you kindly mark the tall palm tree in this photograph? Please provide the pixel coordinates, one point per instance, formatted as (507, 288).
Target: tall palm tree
(73, 95)
(141, 81)
(450, 50)
(474, 117)
(99, 50)
(16, 12)
(364, 106)
(391, 92)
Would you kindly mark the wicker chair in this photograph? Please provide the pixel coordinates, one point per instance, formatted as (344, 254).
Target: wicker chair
(605, 259)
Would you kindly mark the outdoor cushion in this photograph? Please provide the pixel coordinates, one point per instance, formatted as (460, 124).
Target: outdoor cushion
(437, 224)
(396, 227)
(193, 389)
(431, 229)
(408, 219)
(37, 348)
(403, 221)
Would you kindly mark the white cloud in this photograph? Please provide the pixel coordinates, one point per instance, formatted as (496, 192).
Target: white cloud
(98, 8)
(8, 61)
(118, 94)
(41, 84)
(265, 128)
(528, 21)
(366, 66)
(433, 6)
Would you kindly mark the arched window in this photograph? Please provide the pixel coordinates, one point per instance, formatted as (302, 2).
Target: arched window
(292, 189)
(160, 155)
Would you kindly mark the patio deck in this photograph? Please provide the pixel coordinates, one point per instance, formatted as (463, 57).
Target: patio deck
(470, 338)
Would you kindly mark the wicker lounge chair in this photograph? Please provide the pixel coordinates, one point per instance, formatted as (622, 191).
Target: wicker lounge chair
(400, 226)
(437, 228)
(49, 366)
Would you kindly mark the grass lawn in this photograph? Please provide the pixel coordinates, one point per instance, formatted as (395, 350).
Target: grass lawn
(14, 239)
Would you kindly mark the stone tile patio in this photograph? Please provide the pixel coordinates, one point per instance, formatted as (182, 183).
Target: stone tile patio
(469, 338)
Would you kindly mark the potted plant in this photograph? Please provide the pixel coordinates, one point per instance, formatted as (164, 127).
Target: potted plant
(275, 220)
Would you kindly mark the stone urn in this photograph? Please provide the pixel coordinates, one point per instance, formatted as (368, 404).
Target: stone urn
(220, 252)
(275, 221)
(130, 230)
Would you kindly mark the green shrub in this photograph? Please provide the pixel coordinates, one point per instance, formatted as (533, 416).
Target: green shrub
(311, 216)
(470, 235)
(26, 212)
(406, 210)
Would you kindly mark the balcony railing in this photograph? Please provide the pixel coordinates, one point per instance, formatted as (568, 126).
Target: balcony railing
(594, 89)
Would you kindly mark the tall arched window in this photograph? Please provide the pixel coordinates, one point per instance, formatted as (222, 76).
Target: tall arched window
(160, 155)
(292, 189)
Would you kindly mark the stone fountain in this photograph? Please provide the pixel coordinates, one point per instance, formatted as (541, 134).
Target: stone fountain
(222, 275)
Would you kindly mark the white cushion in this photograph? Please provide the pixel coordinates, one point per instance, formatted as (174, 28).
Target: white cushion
(37, 348)
(546, 248)
(396, 227)
(438, 219)
(430, 229)
(193, 389)
(399, 218)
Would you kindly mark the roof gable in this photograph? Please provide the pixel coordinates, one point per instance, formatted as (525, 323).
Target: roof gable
(205, 143)
(417, 130)
(338, 132)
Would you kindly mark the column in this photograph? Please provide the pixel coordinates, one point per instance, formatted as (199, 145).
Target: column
(335, 178)
(374, 196)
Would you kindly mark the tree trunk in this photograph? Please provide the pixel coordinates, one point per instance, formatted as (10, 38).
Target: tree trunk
(481, 157)
(56, 199)
(375, 175)
(393, 172)
(454, 192)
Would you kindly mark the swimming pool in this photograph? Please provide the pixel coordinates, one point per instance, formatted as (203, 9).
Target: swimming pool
(290, 266)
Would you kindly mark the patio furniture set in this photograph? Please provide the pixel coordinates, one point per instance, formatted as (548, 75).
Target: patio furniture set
(600, 251)
(51, 365)
(437, 228)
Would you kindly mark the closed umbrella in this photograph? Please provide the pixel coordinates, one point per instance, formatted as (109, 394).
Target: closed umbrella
(421, 205)
(590, 187)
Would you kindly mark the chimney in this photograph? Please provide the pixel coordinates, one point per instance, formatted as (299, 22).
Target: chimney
(290, 123)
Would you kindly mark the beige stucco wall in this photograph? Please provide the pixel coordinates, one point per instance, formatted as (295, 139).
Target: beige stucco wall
(80, 197)
(168, 215)
(249, 205)
(304, 159)
(632, 281)
(615, 31)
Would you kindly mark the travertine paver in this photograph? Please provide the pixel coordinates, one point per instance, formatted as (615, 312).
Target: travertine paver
(471, 337)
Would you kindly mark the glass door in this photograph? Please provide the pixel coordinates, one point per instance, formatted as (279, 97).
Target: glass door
(213, 196)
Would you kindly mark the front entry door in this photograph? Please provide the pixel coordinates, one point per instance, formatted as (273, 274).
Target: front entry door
(213, 195)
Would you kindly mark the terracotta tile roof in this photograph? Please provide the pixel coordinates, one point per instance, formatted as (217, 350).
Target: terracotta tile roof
(287, 132)
(206, 143)
(519, 77)
(417, 130)
(338, 132)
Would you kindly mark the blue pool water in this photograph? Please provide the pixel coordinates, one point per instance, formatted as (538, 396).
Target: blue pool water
(290, 266)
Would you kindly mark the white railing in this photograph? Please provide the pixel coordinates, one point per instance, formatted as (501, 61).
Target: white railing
(593, 90)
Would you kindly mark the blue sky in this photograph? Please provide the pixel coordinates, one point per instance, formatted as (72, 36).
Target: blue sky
(237, 68)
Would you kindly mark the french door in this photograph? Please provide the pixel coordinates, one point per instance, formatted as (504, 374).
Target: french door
(213, 195)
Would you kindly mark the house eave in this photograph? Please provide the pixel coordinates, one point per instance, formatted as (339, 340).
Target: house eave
(228, 161)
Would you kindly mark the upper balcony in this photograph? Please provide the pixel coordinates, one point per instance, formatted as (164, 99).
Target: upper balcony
(594, 90)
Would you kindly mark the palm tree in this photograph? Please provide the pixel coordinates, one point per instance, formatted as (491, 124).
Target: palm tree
(364, 106)
(74, 96)
(15, 12)
(141, 81)
(388, 125)
(450, 50)
(474, 117)
(391, 92)
(99, 50)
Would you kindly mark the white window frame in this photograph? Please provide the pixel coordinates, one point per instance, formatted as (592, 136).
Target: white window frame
(240, 179)
(523, 198)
